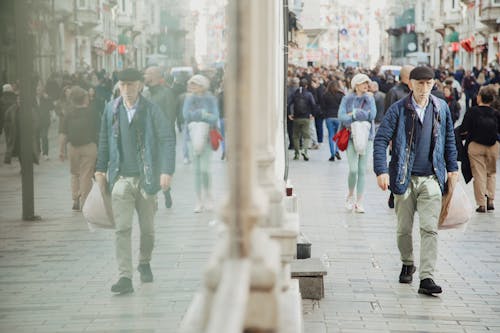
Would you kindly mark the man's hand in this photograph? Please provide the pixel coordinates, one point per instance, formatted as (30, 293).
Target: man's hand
(452, 174)
(165, 181)
(290, 117)
(383, 181)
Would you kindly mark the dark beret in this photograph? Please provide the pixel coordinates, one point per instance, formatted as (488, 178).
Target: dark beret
(130, 74)
(422, 73)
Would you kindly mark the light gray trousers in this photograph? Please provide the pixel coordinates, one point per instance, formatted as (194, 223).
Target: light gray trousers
(423, 196)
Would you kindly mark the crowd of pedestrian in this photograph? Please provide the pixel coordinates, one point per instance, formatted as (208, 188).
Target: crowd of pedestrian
(416, 119)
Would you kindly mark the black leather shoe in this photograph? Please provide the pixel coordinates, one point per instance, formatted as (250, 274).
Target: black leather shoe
(305, 157)
(428, 287)
(146, 274)
(481, 209)
(406, 273)
(168, 198)
(332, 159)
(123, 286)
(337, 155)
(390, 202)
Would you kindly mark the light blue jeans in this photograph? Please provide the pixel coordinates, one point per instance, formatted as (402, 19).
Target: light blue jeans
(333, 125)
(357, 169)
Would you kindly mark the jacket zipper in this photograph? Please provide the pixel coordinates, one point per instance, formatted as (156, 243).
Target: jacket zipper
(408, 147)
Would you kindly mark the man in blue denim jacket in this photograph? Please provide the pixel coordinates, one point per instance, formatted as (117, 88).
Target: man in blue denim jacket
(137, 150)
(423, 155)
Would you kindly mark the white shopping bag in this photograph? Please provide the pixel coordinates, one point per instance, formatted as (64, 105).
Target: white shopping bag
(198, 132)
(97, 208)
(360, 132)
(457, 210)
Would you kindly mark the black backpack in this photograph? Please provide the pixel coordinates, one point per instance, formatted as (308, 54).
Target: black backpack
(487, 123)
(300, 105)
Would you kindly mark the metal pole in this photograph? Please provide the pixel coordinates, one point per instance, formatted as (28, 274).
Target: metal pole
(286, 28)
(24, 50)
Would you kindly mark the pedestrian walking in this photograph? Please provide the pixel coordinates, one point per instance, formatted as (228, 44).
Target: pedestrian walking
(43, 106)
(300, 110)
(330, 104)
(481, 126)
(200, 112)
(358, 106)
(423, 156)
(469, 87)
(137, 150)
(79, 133)
(293, 85)
(165, 100)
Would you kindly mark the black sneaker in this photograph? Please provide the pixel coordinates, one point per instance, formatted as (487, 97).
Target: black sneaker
(406, 273)
(481, 209)
(168, 198)
(428, 287)
(332, 159)
(306, 158)
(123, 286)
(337, 155)
(390, 201)
(146, 274)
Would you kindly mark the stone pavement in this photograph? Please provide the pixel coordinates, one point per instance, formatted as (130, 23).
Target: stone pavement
(362, 289)
(55, 275)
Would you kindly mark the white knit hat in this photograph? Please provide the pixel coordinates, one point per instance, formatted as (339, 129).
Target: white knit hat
(200, 80)
(7, 88)
(358, 79)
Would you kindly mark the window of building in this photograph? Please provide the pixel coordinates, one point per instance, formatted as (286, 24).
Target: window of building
(124, 5)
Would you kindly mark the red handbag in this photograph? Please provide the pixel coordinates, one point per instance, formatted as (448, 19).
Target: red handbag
(215, 138)
(342, 138)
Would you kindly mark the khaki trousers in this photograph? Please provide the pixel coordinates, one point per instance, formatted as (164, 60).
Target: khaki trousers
(423, 196)
(82, 164)
(301, 129)
(127, 197)
(483, 163)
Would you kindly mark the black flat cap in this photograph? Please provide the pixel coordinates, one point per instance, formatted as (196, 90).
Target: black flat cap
(130, 74)
(422, 73)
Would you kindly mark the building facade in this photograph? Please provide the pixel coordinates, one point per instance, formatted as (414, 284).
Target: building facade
(82, 35)
(449, 33)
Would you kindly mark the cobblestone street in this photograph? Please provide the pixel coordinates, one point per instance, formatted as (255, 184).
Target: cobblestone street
(55, 275)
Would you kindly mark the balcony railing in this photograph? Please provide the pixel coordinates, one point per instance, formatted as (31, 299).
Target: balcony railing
(88, 17)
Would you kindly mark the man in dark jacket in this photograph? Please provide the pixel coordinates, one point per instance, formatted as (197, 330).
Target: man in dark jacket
(42, 107)
(165, 100)
(137, 149)
(300, 110)
(79, 130)
(423, 156)
(401, 89)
